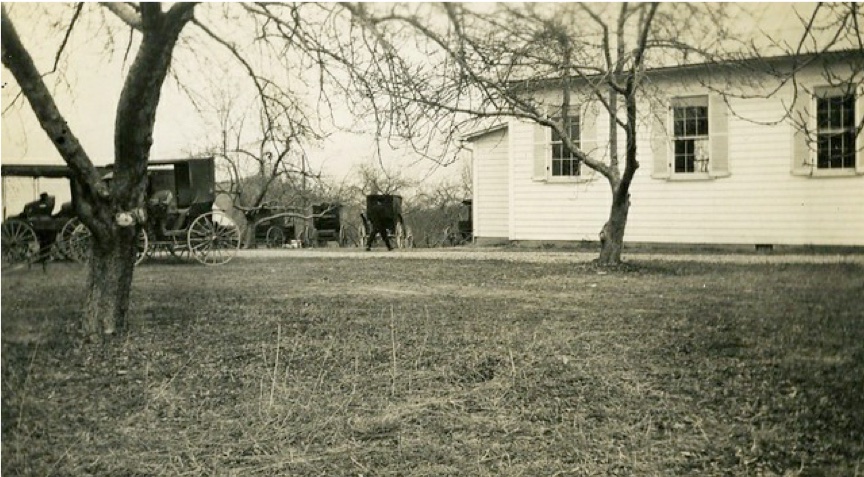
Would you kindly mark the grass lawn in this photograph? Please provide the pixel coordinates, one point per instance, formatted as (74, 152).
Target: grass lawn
(287, 366)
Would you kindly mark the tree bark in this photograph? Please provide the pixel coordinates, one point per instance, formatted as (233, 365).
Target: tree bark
(109, 283)
(612, 235)
(112, 256)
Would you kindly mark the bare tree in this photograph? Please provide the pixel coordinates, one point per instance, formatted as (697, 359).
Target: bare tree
(114, 211)
(490, 62)
(430, 71)
(99, 205)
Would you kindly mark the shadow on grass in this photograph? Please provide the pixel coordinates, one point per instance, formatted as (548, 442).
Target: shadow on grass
(310, 366)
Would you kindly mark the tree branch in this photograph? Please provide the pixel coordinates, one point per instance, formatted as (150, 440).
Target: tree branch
(18, 60)
(125, 13)
(78, 7)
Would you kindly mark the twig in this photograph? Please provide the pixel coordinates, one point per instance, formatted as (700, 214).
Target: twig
(75, 16)
(393, 348)
(276, 361)
(24, 386)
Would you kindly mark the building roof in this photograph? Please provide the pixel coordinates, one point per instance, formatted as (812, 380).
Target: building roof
(474, 135)
(54, 171)
(744, 63)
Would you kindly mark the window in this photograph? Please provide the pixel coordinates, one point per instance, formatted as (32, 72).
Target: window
(835, 130)
(564, 162)
(691, 146)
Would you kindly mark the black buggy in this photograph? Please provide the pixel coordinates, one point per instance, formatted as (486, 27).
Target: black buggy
(327, 226)
(275, 226)
(181, 215)
(391, 217)
(38, 233)
(462, 232)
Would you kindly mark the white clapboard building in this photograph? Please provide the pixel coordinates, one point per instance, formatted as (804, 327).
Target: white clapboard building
(723, 160)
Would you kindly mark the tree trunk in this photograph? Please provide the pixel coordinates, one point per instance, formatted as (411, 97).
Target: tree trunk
(109, 283)
(612, 235)
(112, 256)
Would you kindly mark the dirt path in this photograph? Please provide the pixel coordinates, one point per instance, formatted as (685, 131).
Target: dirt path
(545, 256)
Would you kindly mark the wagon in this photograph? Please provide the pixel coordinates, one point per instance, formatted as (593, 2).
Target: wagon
(390, 215)
(326, 225)
(462, 231)
(274, 225)
(38, 233)
(181, 215)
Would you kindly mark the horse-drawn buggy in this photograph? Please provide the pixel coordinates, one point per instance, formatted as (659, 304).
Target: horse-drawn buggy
(384, 211)
(462, 232)
(181, 215)
(327, 225)
(273, 225)
(37, 233)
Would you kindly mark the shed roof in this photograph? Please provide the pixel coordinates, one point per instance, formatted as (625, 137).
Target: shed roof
(474, 135)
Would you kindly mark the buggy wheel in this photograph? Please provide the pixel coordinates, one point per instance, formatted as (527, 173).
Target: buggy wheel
(363, 234)
(404, 239)
(64, 237)
(306, 238)
(213, 238)
(19, 242)
(142, 246)
(275, 237)
(78, 243)
(77, 246)
(409, 239)
(65, 240)
(399, 235)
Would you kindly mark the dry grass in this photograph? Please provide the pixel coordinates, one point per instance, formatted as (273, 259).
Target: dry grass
(422, 368)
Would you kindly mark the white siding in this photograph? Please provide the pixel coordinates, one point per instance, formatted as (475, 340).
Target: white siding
(549, 210)
(491, 186)
(760, 202)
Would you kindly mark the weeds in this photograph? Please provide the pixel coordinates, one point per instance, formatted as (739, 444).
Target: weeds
(490, 368)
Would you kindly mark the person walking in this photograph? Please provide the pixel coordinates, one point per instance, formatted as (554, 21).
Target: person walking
(379, 218)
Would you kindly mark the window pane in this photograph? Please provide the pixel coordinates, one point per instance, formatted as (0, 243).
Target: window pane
(574, 131)
(566, 168)
(690, 120)
(822, 109)
(693, 113)
(823, 158)
(680, 164)
(835, 115)
(835, 120)
(679, 126)
(702, 127)
(685, 156)
(849, 149)
(556, 168)
(848, 120)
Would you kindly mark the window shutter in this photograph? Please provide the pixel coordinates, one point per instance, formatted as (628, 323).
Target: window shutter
(802, 160)
(588, 136)
(859, 142)
(660, 140)
(718, 134)
(542, 152)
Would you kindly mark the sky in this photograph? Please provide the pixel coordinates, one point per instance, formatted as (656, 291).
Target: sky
(90, 76)
(87, 88)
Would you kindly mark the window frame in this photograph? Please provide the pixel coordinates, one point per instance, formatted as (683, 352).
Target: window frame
(821, 93)
(576, 121)
(701, 167)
